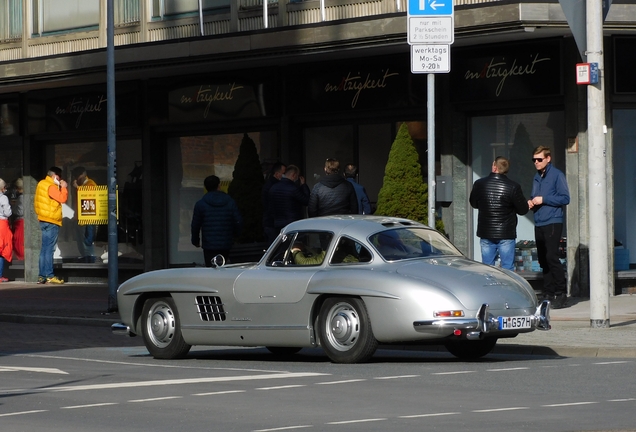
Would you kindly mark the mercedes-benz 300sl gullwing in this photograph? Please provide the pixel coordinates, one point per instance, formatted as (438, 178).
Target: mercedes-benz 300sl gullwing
(342, 283)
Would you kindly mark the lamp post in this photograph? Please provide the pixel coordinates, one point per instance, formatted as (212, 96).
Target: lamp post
(111, 147)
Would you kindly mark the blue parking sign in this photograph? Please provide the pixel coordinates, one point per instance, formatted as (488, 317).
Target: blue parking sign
(430, 7)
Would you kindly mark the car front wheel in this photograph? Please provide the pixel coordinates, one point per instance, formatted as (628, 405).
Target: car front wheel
(471, 349)
(161, 329)
(345, 330)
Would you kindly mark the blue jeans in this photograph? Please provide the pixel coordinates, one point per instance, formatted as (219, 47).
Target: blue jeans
(505, 247)
(85, 238)
(49, 240)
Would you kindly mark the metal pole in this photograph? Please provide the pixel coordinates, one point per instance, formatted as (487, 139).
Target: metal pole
(264, 13)
(201, 17)
(430, 124)
(113, 264)
(596, 129)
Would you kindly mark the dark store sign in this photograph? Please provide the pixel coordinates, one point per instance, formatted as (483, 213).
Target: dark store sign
(73, 111)
(88, 109)
(507, 72)
(361, 86)
(624, 59)
(354, 84)
(214, 102)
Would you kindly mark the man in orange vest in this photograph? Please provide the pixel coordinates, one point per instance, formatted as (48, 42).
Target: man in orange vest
(50, 194)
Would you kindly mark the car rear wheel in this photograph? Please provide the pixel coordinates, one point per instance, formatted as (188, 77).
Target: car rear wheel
(161, 329)
(345, 330)
(471, 349)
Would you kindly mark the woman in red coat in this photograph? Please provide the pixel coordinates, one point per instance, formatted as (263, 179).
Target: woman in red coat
(6, 236)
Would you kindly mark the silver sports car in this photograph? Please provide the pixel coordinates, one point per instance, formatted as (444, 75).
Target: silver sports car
(344, 283)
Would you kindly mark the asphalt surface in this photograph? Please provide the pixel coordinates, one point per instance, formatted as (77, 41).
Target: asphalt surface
(571, 334)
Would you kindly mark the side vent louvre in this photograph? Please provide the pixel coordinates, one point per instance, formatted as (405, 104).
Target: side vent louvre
(210, 308)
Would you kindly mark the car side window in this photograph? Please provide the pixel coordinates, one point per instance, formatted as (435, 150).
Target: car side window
(281, 254)
(350, 251)
(310, 248)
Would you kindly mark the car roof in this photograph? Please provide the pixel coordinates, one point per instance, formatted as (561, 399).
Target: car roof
(359, 226)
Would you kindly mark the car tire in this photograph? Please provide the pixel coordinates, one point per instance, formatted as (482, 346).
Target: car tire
(283, 351)
(471, 349)
(345, 330)
(161, 329)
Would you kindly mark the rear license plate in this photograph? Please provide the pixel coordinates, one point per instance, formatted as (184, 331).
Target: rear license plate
(512, 323)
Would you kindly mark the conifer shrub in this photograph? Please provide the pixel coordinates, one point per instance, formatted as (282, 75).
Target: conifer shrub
(404, 192)
(245, 188)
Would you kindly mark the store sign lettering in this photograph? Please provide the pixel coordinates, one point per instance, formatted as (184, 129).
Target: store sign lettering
(356, 83)
(502, 70)
(79, 106)
(207, 95)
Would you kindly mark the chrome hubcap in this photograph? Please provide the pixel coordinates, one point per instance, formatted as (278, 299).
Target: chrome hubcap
(161, 324)
(343, 327)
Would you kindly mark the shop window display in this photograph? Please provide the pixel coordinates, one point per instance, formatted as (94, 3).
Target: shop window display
(193, 158)
(91, 158)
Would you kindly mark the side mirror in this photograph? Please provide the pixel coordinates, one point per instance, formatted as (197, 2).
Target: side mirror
(218, 261)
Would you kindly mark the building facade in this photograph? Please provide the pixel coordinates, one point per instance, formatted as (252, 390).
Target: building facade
(304, 80)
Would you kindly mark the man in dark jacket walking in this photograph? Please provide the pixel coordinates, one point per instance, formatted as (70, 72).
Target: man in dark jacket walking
(499, 201)
(276, 173)
(287, 198)
(216, 217)
(333, 194)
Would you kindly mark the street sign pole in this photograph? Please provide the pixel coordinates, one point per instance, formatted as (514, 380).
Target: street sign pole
(430, 32)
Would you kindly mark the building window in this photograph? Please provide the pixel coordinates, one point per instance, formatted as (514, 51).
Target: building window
(172, 8)
(51, 16)
(10, 20)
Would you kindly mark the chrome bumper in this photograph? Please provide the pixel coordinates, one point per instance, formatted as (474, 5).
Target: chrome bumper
(481, 324)
(121, 329)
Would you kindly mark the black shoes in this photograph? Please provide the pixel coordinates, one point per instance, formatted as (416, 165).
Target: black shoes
(559, 301)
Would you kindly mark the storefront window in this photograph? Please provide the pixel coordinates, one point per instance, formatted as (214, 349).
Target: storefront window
(58, 15)
(515, 137)
(92, 157)
(194, 158)
(624, 181)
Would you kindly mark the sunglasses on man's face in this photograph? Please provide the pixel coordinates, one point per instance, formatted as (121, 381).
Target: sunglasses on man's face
(537, 160)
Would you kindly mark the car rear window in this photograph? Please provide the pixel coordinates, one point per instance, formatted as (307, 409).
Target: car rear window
(407, 243)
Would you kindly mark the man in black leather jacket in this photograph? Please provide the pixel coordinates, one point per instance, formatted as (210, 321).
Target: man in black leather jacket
(333, 194)
(499, 201)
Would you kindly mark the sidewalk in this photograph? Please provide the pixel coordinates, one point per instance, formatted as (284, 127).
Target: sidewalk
(571, 335)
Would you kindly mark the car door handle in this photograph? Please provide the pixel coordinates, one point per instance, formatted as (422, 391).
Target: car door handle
(268, 296)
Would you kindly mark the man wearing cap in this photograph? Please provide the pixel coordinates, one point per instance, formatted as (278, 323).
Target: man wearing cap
(85, 234)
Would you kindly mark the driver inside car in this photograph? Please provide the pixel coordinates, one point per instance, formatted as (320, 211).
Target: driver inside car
(304, 255)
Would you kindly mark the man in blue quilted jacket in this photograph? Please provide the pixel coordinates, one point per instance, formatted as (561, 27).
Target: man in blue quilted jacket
(217, 219)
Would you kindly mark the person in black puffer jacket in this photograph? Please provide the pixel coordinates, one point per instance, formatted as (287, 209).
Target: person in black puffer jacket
(217, 218)
(499, 201)
(333, 194)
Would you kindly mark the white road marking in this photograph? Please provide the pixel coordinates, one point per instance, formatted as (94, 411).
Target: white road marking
(219, 393)
(281, 387)
(396, 377)
(569, 404)
(283, 428)
(500, 409)
(30, 369)
(612, 362)
(356, 421)
(429, 415)
(453, 373)
(622, 400)
(340, 382)
(507, 369)
(166, 366)
(175, 382)
(22, 413)
(155, 399)
(89, 405)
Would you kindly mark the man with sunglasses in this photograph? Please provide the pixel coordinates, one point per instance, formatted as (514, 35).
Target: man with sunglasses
(549, 194)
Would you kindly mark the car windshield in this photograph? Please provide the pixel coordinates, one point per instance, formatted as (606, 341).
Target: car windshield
(406, 243)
